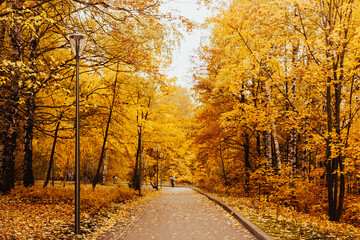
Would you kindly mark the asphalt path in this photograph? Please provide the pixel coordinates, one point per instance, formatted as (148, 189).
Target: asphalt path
(183, 214)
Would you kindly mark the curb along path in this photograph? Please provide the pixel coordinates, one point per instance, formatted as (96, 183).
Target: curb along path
(257, 232)
(182, 213)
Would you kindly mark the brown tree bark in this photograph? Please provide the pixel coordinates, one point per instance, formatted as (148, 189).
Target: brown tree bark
(51, 162)
(135, 178)
(335, 176)
(30, 108)
(28, 179)
(98, 175)
(9, 136)
(247, 162)
(223, 164)
(293, 131)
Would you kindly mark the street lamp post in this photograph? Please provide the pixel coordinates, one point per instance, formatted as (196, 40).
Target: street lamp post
(140, 156)
(77, 42)
(161, 170)
(157, 167)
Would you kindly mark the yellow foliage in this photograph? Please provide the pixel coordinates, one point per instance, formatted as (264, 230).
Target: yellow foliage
(92, 201)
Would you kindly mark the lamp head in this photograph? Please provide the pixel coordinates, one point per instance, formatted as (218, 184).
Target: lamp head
(77, 43)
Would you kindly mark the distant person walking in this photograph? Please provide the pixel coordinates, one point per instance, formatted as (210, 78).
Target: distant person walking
(172, 179)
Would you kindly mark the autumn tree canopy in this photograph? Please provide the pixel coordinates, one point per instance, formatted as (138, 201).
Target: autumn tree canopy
(274, 112)
(121, 81)
(278, 100)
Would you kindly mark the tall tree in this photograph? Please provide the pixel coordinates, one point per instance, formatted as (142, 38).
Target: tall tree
(12, 96)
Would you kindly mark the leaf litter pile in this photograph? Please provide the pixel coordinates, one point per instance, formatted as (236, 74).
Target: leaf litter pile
(38, 213)
(288, 224)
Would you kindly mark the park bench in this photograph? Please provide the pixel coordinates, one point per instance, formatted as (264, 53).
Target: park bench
(154, 186)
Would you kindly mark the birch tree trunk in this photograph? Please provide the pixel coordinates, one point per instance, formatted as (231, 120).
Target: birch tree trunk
(305, 160)
(293, 131)
(274, 135)
(267, 134)
(267, 147)
(276, 145)
(293, 135)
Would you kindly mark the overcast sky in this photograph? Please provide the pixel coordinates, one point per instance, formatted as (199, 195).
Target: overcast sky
(182, 56)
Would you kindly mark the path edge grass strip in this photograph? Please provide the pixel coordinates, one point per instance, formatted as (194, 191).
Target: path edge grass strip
(252, 228)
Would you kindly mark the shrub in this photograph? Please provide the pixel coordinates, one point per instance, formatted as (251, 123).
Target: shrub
(92, 200)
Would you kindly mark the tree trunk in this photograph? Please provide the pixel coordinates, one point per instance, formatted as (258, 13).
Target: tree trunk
(335, 176)
(8, 143)
(272, 133)
(293, 135)
(66, 174)
(28, 179)
(223, 164)
(305, 164)
(10, 123)
(329, 167)
(2, 109)
(105, 169)
(135, 180)
(258, 143)
(334, 166)
(51, 162)
(97, 175)
(8, 153)
(292, 151)
(28, 150)
(276, 146)
(247, 162)
(268, 149)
